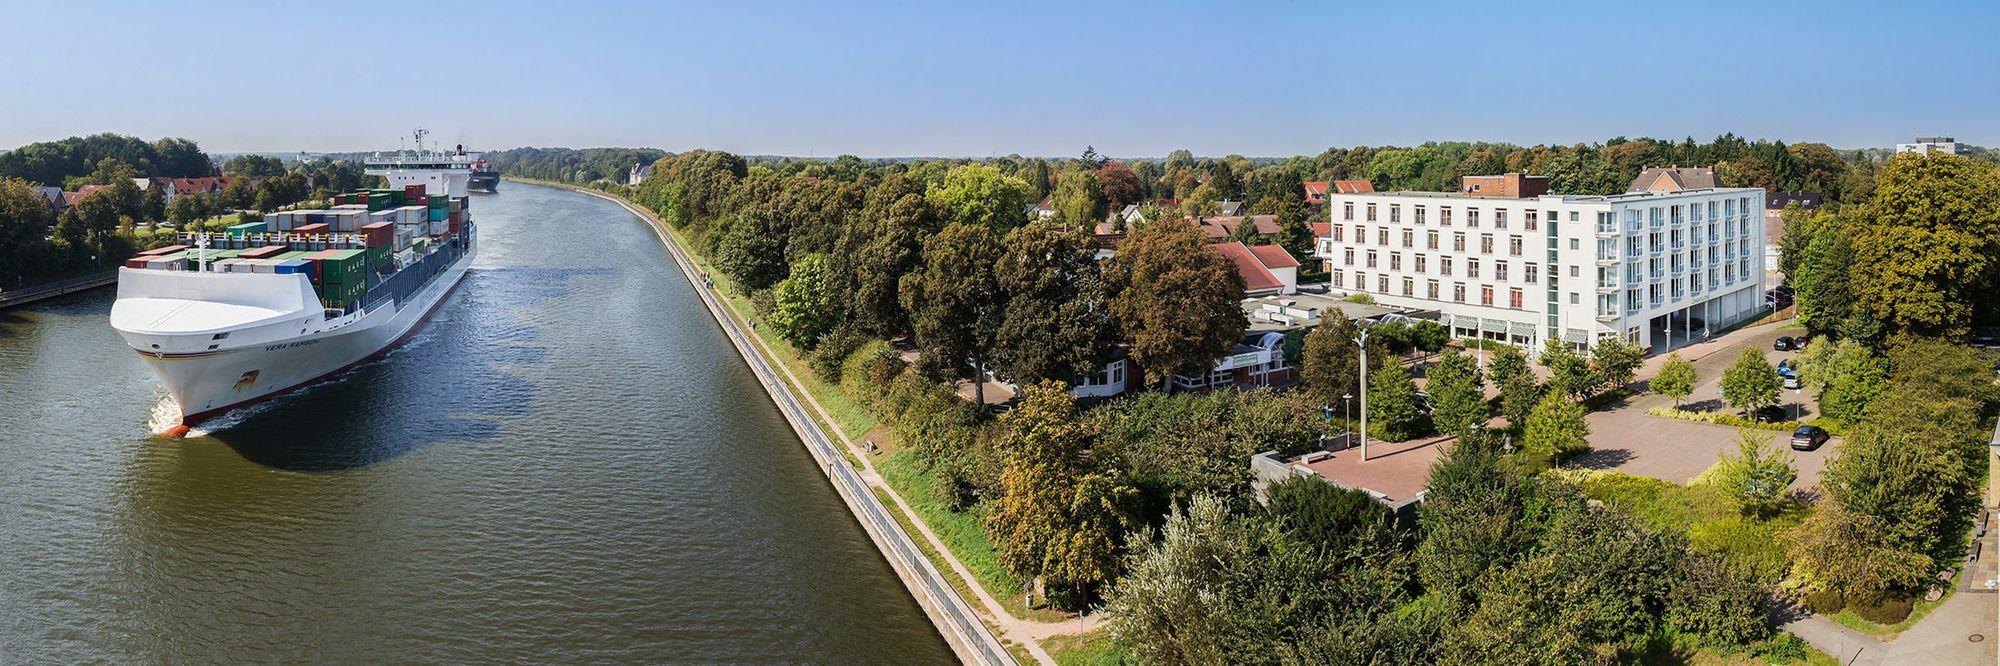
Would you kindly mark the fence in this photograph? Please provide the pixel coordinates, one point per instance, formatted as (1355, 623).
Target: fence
(10, 299)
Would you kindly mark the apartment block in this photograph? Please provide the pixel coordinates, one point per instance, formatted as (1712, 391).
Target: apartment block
(1502, 260)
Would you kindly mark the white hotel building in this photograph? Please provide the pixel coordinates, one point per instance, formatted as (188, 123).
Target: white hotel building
(1503, 261)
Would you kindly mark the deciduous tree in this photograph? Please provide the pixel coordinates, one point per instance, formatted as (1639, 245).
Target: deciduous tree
(1614, 362)
(1054, 324)
(979, 194)
(1557, 427)
(1392, 403)
(803, 314)
(1055, 519)
(1519, 391)
(954, 304)
(1569, 373)
(1176, 302)
(1759, 477)
(1458, 396)
(1750, 383)
(1925, 250)
(1675, 380)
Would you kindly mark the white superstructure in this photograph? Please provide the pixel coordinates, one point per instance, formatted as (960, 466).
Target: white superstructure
(1933, 144)
(1653, 268)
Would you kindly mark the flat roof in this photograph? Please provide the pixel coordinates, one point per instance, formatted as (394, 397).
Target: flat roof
(1320, 302)
(1621, 197)
(1397, 471)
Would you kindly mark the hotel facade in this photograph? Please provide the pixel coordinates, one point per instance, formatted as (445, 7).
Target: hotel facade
(1503, 261)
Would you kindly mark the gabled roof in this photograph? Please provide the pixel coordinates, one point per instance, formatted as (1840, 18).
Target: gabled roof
(1255, 276)
(1316, 187)
(1806, 200)
(1322, 229)
(70, 198)
(1353, 186)
(1221, 226)
(1672, 179)
(1228, 208)
(1272, 256)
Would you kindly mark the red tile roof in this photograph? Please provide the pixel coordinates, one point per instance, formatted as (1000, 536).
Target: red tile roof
(1255, 276)
(1353, 186)
(1272, 256)
(70, 198)
(1322, 229)
(1316, 188)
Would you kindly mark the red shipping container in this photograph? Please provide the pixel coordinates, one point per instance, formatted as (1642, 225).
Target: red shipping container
(264, 252)
(163, 250)
(413, 192)
(135, 262)
(379, 234)
(312, 260)
(321, 228)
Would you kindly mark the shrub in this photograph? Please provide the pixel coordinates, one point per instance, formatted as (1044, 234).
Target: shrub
(829, 359)
(1781, 648)
(1723, 419)
(1721, 603)
(953, 487)
(1825, 601)
(1889, 610)
(1360, 298)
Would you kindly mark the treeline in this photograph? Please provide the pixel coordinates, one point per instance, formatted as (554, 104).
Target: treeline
(68, 163)
(571, 165)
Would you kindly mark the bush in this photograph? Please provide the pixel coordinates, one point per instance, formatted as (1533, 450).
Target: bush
(1886, 610)
(1825, 601)
(952, 486)
(829, 359)
(1360, 298)
(1721, 603)
(1722, 419)
(1781, 648)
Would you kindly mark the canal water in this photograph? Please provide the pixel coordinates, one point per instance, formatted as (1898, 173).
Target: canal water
(569, 463)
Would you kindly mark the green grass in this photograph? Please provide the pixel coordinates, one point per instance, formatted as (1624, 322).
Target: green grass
(1710, 521)
(1888, 632)
(1096, 648)
(964, 532)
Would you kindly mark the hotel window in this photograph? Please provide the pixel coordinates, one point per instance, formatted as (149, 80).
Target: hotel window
(1382, 236)
(1458, 292)
(1409, 286)
(1458, 242)
(1360, 234)
(1371, 258)
(1444, 215)
(1432, 288)
(1530, 222)
(1395, 213)
(1420, 214)
(1371, 212)
(1472, 268)
(1514, 245)
(1471, 217)
(1395, 261)
(1350, 256)
(1485, 294)
(1338, 232)
(1361, 281)
(1530, 272)
(1431, 240)
(1499, 218)
(1409, 238)
(1347, 211)
(1514, 298)
(1500, 270)
(1422, 265)
(1339, 278)
(1382, 283)
(1486, 243)
(1444, 265)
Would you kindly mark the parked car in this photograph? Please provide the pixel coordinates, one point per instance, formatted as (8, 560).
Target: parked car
(1785, 289)
(1783, 343)
(1772, 414)
(1799, 343)
(1808, 437)
(1424, 402)
(1792, 383)
(1786, 369)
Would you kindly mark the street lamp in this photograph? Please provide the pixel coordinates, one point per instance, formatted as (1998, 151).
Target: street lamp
(1347, 408)
(1362, 342)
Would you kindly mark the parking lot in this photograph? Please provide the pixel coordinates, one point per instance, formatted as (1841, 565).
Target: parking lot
(1624, 438)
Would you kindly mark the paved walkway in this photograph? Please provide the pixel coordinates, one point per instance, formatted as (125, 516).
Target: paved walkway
(1026, 633)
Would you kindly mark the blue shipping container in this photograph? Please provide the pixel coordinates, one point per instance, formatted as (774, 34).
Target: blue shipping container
(437, 214)
(293, 266)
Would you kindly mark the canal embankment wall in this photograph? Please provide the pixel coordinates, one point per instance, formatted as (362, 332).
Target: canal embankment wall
(955, 619)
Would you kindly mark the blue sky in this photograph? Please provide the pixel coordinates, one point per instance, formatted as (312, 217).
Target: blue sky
(977, 79)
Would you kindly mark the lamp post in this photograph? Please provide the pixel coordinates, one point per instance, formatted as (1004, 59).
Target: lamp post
(1362, 342)
(1347, 408)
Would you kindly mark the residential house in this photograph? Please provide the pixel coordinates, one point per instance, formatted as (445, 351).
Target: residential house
(70, 198)
(1218, 227)
(1266, 269)
(1257, 360)
(51, 197)
(1774, 218)
(1227, 208)
(1041, 211)
(1316, 191)
(1669, 179)
(638, 174)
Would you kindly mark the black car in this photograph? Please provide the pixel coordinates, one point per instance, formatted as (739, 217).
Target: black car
(1785, 289)
(1771, 414)
(1783, 343)
(1809, 437)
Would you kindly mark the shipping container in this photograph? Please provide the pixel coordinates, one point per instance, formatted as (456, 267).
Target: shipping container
(315, 228)
(413, 192)
(343, 266)
(247, 228)
(170, 249)
(337, 296)
(379, 258)
(293, 267)
(264, 252)
(378, 234)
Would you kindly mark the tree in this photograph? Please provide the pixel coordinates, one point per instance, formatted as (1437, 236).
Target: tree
(1557, 427)
(1759, 477)
(1470, 520)
(1925, 250)
(1519, 392)
(1429, 336)
(884, 244)
(1615, 361)
(259, 166)
(1847, 554)
(1330, 362)
(1121, 185)
(1164, 608)
(1846, 375)
(1569, 373)
(24, 222)
(1079, 200)
(1918, 464)
(1392, 403)
(1245, 232)
(1176, 302)
(802, 314)
(1055, 520)
(1054, 325)
(750, 247)
(1458, 395)
(1750, 383)
(978, 194)
(1335, 520)
(954, 304)
(1676, 379)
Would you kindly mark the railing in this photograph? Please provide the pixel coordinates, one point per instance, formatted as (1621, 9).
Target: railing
(950, 608)
(27, 295)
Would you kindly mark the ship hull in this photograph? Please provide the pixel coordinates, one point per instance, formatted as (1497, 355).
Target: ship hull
(484, 181)
(203, 387)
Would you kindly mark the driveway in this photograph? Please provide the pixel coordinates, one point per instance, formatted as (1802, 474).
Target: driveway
(1626, 439)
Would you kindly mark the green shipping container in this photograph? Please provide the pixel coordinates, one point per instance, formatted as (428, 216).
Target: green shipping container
(336, 295)
(246, 228)
(439, 201)
(378, 258)
(343, 267)
(380, 202)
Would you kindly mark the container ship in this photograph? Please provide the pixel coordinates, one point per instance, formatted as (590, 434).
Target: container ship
(484, 177)
(229, 318)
